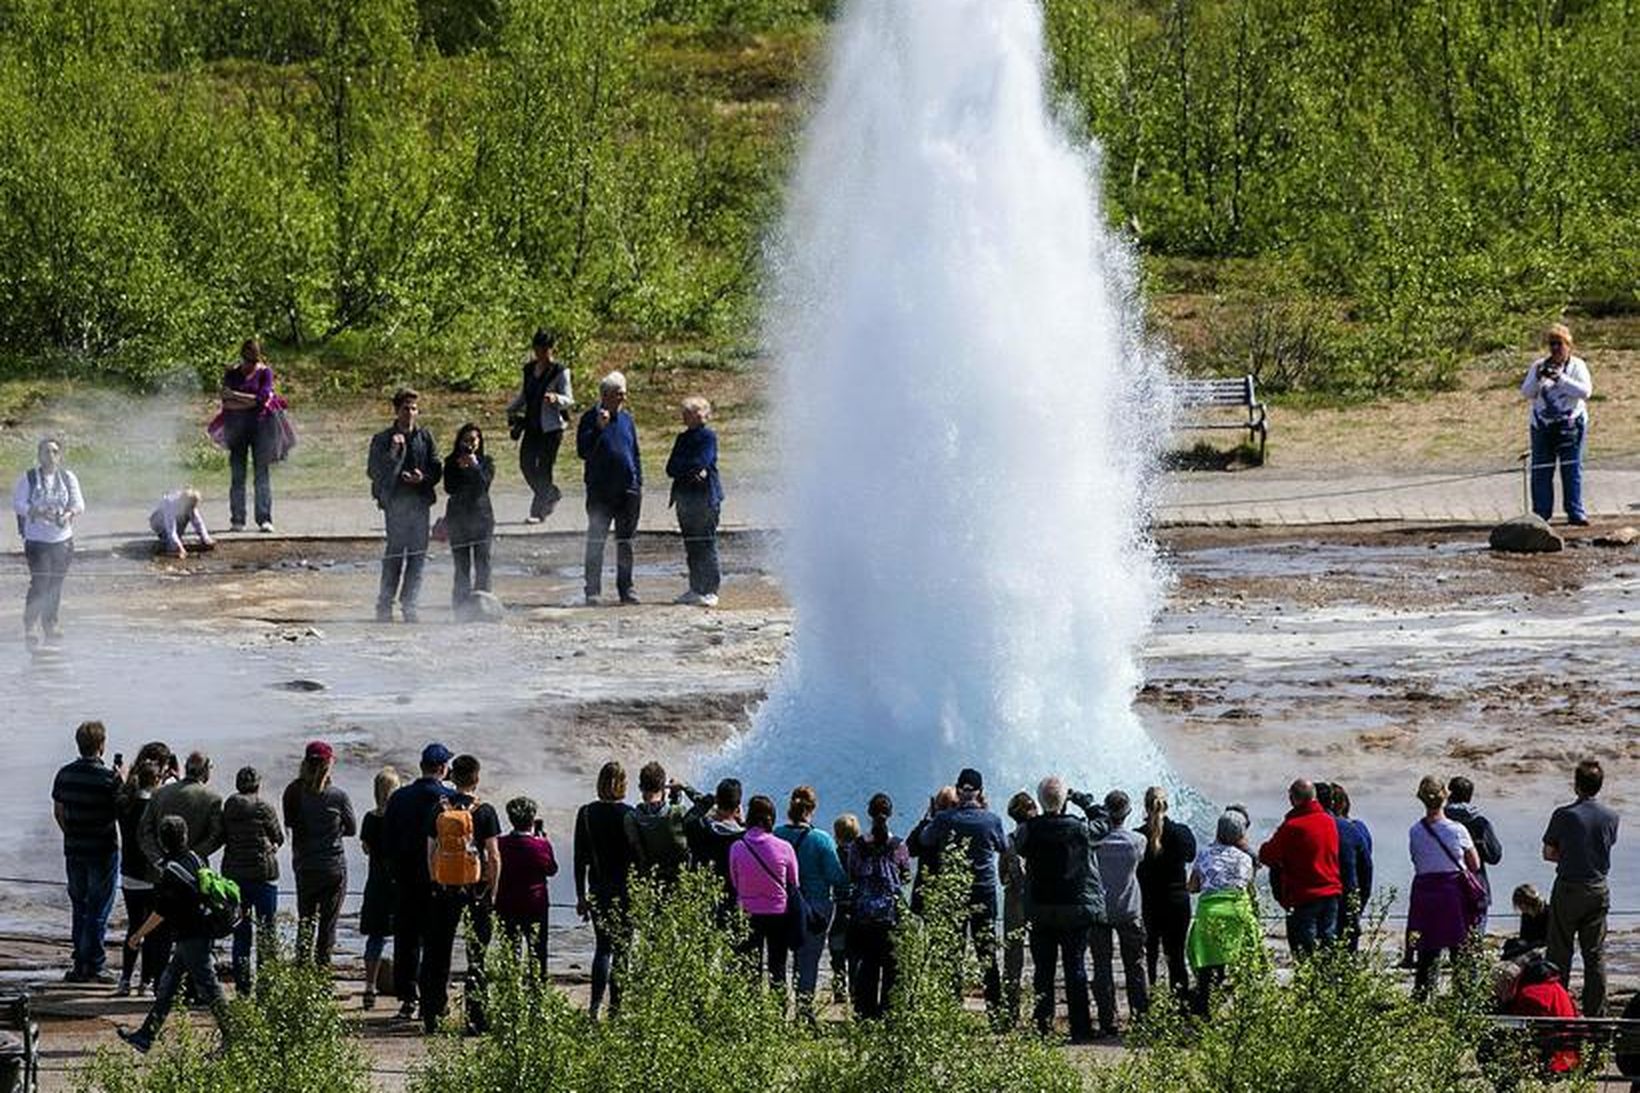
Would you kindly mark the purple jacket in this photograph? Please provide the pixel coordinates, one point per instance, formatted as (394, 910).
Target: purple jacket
(258, 383)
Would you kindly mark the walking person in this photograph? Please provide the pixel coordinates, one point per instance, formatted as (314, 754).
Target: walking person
(878, 867)
(697, 494)
(977, 831)
(1558, 387)
(761, 866)
(1305, 851)
(178, 905)
(1225, 927)
(319, 816)
(376, 912)
(468, 517)
(85, 804)
(607, 441)
(249, 433)
(47, 501)
(1460, 806)
(527, 863)
(1065, 897)
(1170, 848)
(404, 473)
(137, 874)
(1120, 927)
(464, 862)
(251, 840)
(404, 829)
(1579, 841)
(822, 881)
(1441, 913)
(536, 417)
(603, 859)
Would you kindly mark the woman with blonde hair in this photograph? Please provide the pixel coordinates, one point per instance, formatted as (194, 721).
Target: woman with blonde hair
(1444, 864)
(1558, 386)
(823, 878)
(319, 816)
(376, 915)
(1170, 848)
(697, 494)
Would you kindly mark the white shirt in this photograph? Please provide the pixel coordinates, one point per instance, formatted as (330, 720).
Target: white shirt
(173, 513)
(1563, 399)
(1428, 855)
(1222, 867)
(49, 507)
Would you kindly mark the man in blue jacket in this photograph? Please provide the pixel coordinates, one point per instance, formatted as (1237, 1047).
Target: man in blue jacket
(607, 441)
(978, 831)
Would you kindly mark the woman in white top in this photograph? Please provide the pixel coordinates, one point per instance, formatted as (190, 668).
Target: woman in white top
(1443, 912)
(1558, 387)
(47, 501)
(1225, 926)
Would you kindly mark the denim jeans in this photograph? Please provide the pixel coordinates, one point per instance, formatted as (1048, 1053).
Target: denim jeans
(249, 436)
(1312, 924)
(698, 523)
(47, 568)
(808, 956)
(601, 513)
(190, 956)
(1563, 443)
(92, 879)
(260, 899)
(1052, 946)
(406, 554)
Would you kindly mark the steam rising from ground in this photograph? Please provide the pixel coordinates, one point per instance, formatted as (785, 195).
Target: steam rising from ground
(966, 413)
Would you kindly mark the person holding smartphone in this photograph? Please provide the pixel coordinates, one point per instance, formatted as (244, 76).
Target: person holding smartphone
(527, 861)
(469, 518)
(1558, 387)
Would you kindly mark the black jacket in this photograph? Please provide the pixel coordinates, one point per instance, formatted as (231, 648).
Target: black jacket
(469, 515)
(1063, 889)
(386, 465)
(1163, 874)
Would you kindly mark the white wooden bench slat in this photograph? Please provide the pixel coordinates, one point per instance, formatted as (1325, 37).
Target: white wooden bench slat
(1214, 394)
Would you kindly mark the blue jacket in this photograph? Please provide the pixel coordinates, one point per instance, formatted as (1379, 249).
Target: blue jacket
(695, 450)
(980, 832)
(1354, 858)
(613, 467)
(405, 821)
(819, 870)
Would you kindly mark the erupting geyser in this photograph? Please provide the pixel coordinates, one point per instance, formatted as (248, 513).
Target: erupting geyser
(966, 416)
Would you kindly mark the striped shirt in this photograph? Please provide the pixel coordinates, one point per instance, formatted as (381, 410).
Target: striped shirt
(87, 790)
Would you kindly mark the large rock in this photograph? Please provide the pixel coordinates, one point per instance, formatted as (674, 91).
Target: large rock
(1526, 535)
(481, 607)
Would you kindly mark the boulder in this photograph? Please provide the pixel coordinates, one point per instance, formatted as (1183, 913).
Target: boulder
(1526, 534)
(1622, 537)
(481, 607)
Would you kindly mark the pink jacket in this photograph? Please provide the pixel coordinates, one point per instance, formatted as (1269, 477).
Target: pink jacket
(759, 892)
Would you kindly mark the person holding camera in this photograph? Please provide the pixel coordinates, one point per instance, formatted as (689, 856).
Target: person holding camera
(1558, 387)
(469, 518)
(404, 474)
(536, 418)
(527, 861)
(655, 828)
(973, 829)
(47, 501)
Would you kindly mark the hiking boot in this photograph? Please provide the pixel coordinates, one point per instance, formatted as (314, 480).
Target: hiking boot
(140, 1039)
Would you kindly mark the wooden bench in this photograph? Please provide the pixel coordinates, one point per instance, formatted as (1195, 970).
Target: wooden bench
(1216, 394)
(19, 1046)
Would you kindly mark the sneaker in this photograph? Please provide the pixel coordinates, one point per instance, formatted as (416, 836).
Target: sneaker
(237, 525)
(102, 976)
(690, 598)
(266, 527)
(124, 989)
(407, 1011)
(532, 519)
(1578, 521)
(137, 1038)
(142, 988)
(630, 599)
(384, 614)
(708, 599)
(74, 975)
(592, 599)
(52, 634)
(410, 615)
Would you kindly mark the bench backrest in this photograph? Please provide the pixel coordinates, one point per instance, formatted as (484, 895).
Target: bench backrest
(1216, 392)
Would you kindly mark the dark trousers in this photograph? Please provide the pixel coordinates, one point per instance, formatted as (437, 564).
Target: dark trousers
(250, 437)
(768, 943)
(47, 567)
(156, 947)
(608, 943)
(472, 570)
(1560, 443)
(410, 916)
(1068, 946)
(92, 879)
(981, 928)
(537, 453)
(260, 899)
(528, 935)
(318, 905)
(1577, 912)
(1312, 924)
(623, 513)
(1129, 938)
(190, 957)
(444, 912)
(1167, 925)
(406, 553)
(698, 522)
(871, 949)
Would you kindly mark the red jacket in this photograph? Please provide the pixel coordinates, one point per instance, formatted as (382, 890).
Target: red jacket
(1560, 1054)
(1305, 849)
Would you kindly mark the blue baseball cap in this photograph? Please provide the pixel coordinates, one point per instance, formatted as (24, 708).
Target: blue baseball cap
(434, 754)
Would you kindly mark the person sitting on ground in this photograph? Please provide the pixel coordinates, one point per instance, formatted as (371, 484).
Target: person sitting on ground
(603, 861)
(404, 473)
(976, 830)
(1011, 868)
(178, 511)
(85, 803)
(655, 827)
(607, 441)
(697, 494)
(464, 862)
(251, 838)
(1225, 927)
(928, 854)
(844, 830)
(1579, 841)
(713, 826)
(878, 868)
(137, 881)
(376, 911)
(179, 906)
(1170, 847)
(1064, 898)
(521, 899)
(1539, 992)
(1119, 852)
(823, 877)
(192, 799)
(1305, 849)
(1534, 923)
(1558, 387)
(469, 519)
(1440, 914)
(1354, 864)
(319, 815)
(1460, 806)
(761, 865)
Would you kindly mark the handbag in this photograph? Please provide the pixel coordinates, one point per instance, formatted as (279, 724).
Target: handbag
(284, 429)
(217, 430)
(801, 920)
(1474, 892)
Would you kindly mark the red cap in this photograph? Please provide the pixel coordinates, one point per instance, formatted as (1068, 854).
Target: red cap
(318, 749)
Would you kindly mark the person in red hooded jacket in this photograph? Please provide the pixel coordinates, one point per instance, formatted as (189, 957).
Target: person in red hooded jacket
(1304, 849)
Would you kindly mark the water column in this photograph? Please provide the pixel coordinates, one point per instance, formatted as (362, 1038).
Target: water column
(965, 414)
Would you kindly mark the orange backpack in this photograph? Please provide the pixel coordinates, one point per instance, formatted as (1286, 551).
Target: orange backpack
(455, 855)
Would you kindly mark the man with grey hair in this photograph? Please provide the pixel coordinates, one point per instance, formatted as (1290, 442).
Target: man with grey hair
(1064, 897)
(1119, 852)
(607, 441)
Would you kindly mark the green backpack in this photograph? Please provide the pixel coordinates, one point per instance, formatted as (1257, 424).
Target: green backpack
(219, 902)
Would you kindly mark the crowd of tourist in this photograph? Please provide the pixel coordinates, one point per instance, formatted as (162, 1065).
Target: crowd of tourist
(1075, 876)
